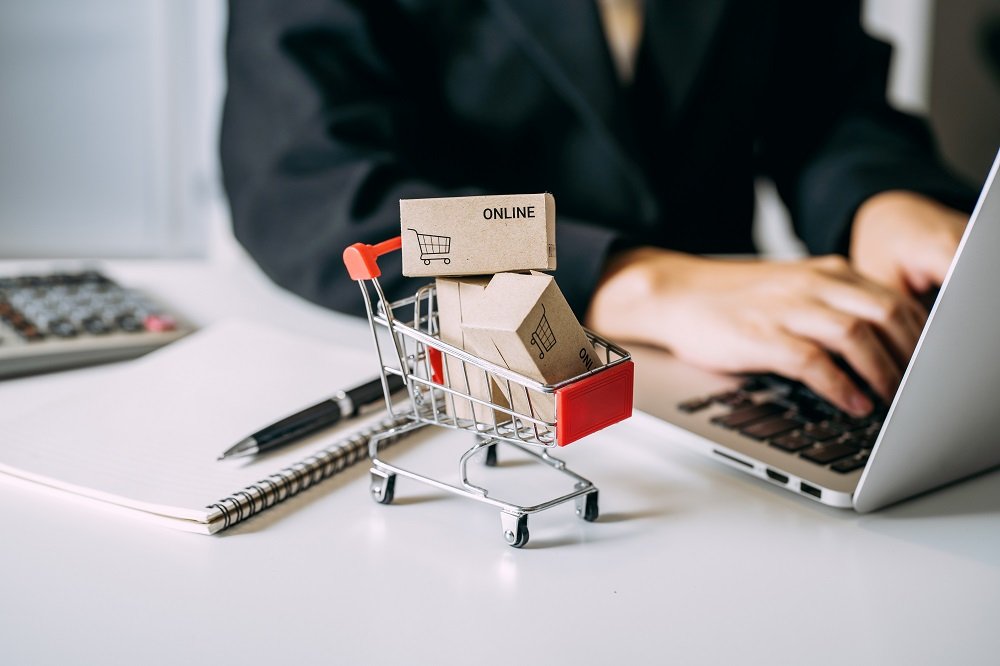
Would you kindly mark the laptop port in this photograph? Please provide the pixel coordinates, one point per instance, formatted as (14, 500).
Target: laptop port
(810, 490)
(776, 476)
(733, 458)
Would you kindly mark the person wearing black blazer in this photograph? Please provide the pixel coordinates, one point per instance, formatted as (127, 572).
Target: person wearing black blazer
(336, 109)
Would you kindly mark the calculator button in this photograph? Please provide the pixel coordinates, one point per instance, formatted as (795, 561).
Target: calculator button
(62, 328)
(158, 323)
(129, 323)
(96, 326)
(30, 334)
(95, 277)
(78, 314)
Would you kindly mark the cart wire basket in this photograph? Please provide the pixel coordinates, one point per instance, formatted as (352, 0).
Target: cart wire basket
(446, 389)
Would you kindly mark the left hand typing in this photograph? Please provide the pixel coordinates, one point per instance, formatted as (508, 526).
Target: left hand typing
(905, 241)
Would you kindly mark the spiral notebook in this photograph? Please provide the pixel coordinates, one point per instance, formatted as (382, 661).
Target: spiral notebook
(145, 438)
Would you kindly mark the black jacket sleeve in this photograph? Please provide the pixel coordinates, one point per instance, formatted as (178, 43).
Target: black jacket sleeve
(830, 138)
(309, 125)
(314, 120)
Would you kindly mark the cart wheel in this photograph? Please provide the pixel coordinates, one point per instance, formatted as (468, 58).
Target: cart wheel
(427, 262)
(515, 529)
(383, 487)
(586, 507)
(491, 456)
(447, 260)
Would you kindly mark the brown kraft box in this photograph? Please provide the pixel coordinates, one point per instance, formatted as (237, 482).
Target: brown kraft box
(478, 235)
(454, 294)
(523, 323)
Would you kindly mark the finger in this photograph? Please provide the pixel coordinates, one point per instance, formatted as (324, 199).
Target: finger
(898, 306)
(937, 268)
(835, 264)
(920, 282)
(899, 318)
(855, 340)
(809, 363)
(917, 320)
(842, 271)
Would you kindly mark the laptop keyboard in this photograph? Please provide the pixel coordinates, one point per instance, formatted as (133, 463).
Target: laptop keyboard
(784, 414)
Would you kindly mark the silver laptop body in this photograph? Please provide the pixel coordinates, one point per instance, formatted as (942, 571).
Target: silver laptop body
(943, 425)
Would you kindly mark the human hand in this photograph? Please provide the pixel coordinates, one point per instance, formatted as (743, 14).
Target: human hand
(755, 316)
(905, 241)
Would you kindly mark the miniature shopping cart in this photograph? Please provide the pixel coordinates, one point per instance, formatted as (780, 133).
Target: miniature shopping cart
(438, 376)
(433, 248)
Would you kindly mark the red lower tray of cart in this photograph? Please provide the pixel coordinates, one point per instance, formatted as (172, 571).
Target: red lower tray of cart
(450, 388)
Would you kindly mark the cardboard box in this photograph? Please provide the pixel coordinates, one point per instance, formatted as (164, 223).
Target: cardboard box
(453, 295)
(523, 322)
(478, 235)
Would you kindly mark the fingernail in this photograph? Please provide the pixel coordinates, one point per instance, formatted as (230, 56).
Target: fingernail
(859, 404)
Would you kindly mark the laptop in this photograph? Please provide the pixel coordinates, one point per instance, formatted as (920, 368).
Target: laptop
(941, 426)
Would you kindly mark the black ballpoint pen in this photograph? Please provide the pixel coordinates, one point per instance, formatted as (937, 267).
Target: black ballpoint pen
(343, 404)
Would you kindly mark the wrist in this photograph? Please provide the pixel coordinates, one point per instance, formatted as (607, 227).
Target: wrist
(905, 241)
(640, 293)
(878, 216)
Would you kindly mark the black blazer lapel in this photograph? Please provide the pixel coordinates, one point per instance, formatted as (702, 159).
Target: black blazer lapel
(566, 41)
(678, 36)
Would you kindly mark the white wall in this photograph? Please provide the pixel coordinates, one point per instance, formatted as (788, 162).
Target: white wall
(908, 26)
(108, 122)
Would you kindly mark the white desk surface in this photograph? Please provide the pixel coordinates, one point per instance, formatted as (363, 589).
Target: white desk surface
(689, 563)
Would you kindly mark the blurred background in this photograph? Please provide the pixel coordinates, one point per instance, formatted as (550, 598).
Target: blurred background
(110, 109)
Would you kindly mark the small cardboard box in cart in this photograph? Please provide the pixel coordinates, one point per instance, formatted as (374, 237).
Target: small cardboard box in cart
(478, 235)
(454, 296)
(523, 323)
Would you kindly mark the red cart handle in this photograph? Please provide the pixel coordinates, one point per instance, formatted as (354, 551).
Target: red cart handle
(361, 259)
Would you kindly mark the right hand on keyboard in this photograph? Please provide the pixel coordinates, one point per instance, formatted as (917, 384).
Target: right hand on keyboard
(760, 316)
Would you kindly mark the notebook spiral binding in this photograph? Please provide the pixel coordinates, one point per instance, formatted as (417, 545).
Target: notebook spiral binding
(293, 479)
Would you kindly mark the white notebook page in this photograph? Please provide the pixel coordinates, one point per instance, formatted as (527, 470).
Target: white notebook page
(148, 435)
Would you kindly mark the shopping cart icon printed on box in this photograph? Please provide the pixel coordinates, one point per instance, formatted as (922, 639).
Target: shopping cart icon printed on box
(432, 247)
(543, 337)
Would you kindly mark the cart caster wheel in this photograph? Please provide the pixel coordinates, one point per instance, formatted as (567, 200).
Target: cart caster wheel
(515, 529)
(383, 487)
(586, 507)
(491, 456)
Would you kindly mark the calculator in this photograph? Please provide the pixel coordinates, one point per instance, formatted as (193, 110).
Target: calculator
(61, 320)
